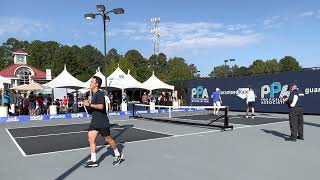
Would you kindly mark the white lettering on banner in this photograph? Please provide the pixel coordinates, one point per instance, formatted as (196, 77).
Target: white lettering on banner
(273, 93)
(311, 90)
(114, 114)
(79, 115)
(154, 111)
(178, 110)
(272, 101)
(142, 112)
(199, 94)
(242, 92)
(228, 92)
(11, 119)
(60, 116)
(36, 118)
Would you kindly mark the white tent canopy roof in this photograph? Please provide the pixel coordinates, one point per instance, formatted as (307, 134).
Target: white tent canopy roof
(4, 80)
(154, 83)
(115, 79)
(66, 80)
(100, 75)
(131, 83)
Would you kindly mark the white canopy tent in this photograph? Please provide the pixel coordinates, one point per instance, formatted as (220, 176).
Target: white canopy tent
(131, 83)
(115, 80)
(100, 75)
(4, 80)
(66, 80)
(154, 83)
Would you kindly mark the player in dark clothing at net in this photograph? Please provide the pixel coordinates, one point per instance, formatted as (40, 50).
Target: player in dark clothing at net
(99, 124)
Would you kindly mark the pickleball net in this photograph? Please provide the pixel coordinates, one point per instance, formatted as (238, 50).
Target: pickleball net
(184, 115)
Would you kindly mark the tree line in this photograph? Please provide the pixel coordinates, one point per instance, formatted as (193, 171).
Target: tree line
(82, 62)
(288, 63)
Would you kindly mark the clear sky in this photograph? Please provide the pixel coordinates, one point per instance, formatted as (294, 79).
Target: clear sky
(204, 32)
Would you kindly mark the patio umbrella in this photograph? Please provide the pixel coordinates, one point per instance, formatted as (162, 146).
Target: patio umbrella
(30, 87)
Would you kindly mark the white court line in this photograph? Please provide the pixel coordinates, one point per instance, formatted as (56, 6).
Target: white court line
(113, 121)
(154, 131)
(77, 132)
(245, 126)
(146, 140)
(15, 142)
(238, 117)
(138, 141)
(44, 135)
(69, 150)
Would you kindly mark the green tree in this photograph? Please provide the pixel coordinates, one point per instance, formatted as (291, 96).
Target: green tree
(258, 67)
(158, 64)
(113, 56)
(140, 66)
(220, 71)
(13, 44)
(5, 57)
(272, 66)
(241, 71)
(125, 65)
(178, 69)
(289, 63)
(194, 71)
(6, 50)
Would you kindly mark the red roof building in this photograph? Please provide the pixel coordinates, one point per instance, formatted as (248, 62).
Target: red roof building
(21, 73)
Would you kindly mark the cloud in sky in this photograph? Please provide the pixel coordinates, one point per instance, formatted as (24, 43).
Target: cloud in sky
(310, 14)
(186, 36)
(306, 14)
(21, 27)
(273, 22)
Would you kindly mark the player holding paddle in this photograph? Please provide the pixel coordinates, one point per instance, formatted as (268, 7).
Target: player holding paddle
(99, 124)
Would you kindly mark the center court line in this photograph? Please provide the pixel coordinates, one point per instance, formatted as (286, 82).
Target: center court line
(155, 139)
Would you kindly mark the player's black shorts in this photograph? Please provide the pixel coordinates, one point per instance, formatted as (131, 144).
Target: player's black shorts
(251, 104)
(103, 131)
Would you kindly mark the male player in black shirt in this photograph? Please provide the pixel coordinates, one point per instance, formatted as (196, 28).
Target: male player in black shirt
(295, 113)
(99, 124)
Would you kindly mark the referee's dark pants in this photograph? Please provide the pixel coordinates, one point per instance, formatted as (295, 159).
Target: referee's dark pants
(296, 121)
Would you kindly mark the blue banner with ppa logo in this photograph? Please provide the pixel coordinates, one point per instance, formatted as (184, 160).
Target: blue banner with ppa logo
(270, 90)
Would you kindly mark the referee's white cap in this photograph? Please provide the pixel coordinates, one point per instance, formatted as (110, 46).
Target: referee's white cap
(217, 89)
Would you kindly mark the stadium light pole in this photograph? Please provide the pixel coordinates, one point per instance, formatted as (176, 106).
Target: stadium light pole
(105, 18)
(228, 60)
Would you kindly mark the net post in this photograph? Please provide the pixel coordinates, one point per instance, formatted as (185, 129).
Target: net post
(169, 112)
(133, 111)
(226, 119)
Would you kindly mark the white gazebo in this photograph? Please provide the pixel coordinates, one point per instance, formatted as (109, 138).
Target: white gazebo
(100, 75)
(66, 80)
(115, 80)
(130, 82)
(154, 83)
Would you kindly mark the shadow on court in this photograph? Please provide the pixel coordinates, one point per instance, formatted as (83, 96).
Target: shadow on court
(312, 124)
(275, 133)
(101, 158)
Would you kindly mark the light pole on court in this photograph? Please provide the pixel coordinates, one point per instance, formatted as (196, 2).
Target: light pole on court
(105, 18)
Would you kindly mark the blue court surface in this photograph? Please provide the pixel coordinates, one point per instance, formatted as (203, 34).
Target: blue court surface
(252, 149)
